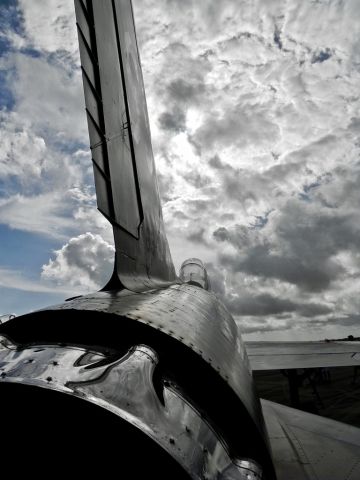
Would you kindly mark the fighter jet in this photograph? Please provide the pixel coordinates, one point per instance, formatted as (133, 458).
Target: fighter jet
(149, 377)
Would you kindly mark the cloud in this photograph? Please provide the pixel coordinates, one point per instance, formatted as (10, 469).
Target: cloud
(15, 279)
(173, 121)
(184, 91)
(268, 305)
(84, 262)
(50, 26)
(299, 246)
(22, 153)
(55, 106)
(242, 126)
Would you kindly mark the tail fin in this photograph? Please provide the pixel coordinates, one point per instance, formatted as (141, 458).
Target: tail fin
(120, 142)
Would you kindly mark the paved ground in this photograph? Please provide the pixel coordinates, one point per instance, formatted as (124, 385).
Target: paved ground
(333, 392)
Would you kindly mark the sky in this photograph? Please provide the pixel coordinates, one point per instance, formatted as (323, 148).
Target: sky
(255, 118)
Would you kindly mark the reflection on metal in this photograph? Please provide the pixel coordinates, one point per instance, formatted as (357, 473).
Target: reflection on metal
(197, 340)
(193, 316)
(192, 271)
(124, 386)
(6, 318)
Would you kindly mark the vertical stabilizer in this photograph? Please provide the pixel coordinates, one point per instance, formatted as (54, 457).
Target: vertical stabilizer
(120, 142)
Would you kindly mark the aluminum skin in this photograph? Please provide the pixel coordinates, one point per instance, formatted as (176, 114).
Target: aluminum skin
(124, 386)
(197, 342)
(124, 169)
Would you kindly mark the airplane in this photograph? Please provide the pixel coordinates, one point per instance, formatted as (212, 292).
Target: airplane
(149, 376)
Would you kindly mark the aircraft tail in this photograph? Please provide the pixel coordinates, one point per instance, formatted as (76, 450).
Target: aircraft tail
(125, 177)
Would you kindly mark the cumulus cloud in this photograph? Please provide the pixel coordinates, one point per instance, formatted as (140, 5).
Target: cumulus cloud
(49, 26)
(15, 157)
(84, 262)
(55, 106)
(258, 149)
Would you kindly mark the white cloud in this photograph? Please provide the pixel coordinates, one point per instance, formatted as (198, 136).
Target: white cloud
(50, 26)
(22, 153)
(263, 96)
(48, 99)
(84, 262)
(16, 279)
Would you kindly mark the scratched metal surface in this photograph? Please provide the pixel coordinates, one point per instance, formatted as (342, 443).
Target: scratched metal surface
(307, 446)
(287, 355)
(124, 386)
(191, 315)
(124, 169)
(193, 332)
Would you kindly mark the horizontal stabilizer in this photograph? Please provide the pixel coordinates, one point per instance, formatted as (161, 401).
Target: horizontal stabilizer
(120, 142)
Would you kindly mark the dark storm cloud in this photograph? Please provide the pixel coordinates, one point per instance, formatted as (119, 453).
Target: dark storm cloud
(307, 259)
(348, 320)
(266, 304)
(180, 93)
(183, 91)
(180, 215)
(240, 126)
(258, 261)
(174, 121)
(248, 185)
(298, 245)
(239, 236)
(311, 310)
(221, 234)
(312, 232)
(216, 163)
(259, 305)
(198, 180)
(197, 236)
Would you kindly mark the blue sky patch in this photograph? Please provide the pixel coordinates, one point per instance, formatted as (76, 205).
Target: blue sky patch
(20, 302)
(322, 56)
(25, 251)
(10, 19)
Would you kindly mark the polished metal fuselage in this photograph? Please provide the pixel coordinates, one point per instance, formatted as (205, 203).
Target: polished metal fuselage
(169, 361)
